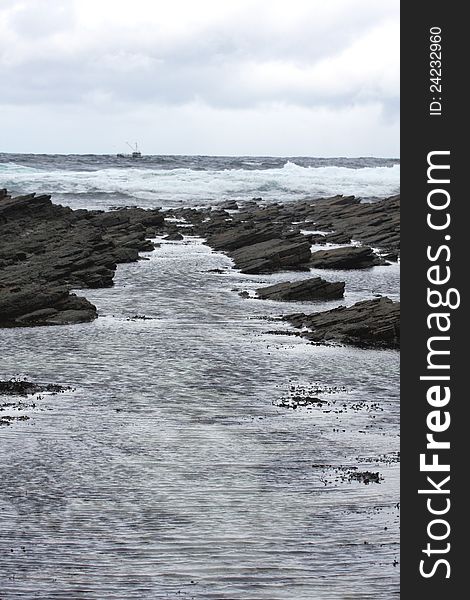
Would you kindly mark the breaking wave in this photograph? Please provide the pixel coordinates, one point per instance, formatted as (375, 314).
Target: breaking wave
(168, 187)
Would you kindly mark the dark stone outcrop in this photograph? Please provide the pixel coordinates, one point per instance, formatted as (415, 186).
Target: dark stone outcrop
(32, 304)
(234, 238)
(338, 237)
(272, 255)
(251, 235)
(174, 237)
(21, 387)
(375, 223)
(256, 247)
(371, 323)
(252, 238)
(314, 288)
(229, 205)
(47, 250)
(348, 257)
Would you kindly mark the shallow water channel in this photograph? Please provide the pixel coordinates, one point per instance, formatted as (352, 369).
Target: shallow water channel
(171, 472)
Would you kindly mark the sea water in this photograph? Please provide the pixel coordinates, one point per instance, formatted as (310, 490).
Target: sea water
(170, 470)
(173, 181)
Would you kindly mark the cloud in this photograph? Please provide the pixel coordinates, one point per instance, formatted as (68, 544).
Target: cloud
(39, 19)
(196, 128)
(232, 55)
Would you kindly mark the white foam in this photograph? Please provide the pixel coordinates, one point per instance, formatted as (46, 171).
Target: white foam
(191, 187)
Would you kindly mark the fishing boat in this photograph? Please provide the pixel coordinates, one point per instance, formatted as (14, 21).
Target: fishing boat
(136, 153)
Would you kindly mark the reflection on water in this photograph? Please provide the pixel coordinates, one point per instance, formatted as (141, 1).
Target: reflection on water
(170, 472)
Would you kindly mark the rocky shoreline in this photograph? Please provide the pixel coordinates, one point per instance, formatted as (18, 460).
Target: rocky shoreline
(371, 323)
(48, 250)
(314, 288)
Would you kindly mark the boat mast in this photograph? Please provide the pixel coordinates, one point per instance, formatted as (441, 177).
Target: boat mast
(132, 147)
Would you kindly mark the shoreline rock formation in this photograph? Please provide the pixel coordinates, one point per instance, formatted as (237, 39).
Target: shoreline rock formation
(347, 257)
(23, 387)
(272, 237)
(47, 250)
(370, 323)
(314, 288)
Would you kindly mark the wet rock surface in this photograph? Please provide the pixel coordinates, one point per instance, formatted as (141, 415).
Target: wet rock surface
(22, 387)
(346, 474)
(265, 238)
(9, 419)
(47, 250)
(348, 257)
(19, 393)
(314, 288)
(372, 223)
(371, 323)
(272, 255)
(312, 396)
(174, 237)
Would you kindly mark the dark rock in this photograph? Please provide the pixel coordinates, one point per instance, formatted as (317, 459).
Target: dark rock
(37, 315)
(174, 237)
(349, 474)
(348, 257)
(59, 249)
(48, 249)
(69, 317)
(365, 477)
(314, 288)
(301, 402)
(8, 419)
(316, 238)
(140, 318)
(111, 219)
(125, 255)
(19, 301)
(272, 255)
(33, 305)
(136, 241)
(242, 236)
(93, 277)
(338, 237)
(372, 223)
(121, 206)
(19, 387)
(229, 205)
(371, 323)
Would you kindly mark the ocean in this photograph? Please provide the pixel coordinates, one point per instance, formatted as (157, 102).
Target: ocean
(171, 470)
(170, 181)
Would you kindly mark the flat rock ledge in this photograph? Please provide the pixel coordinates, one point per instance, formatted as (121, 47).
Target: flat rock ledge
(270, 237)
(368, 324)
(259, 248)
(47, 250)
(21, 387)
(348, 257)
(314, 288)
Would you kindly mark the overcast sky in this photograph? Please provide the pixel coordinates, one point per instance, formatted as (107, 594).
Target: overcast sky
(271, 77)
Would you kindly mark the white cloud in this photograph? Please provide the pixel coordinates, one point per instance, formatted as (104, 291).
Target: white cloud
(229, 59)
(199, 129)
